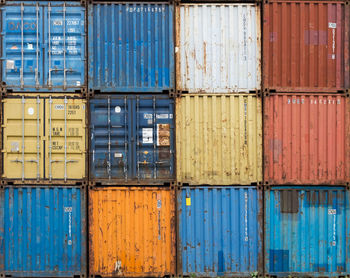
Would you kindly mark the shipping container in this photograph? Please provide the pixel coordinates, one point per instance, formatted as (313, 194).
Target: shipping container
(42, 231)
(132, 231)
(131, 47)
(132, 139)
(43, 138)
(219, 139)
(306, 139)
(43, 46)
(220, 231)
(307, 231)
(306, 46)
(218, 48)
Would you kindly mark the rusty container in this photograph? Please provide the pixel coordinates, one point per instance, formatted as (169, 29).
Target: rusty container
(306, 139)
(307, 231)
(306, 46)
(219, 139)
(132, 231)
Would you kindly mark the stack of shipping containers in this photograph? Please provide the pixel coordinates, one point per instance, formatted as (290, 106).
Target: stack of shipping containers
(189, 138)
(43, 128)
(306, 137)
(132, 142)
(219, 139)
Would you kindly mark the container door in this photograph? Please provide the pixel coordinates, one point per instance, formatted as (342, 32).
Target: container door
(23, 138)
(65, 133)
(110, 137)
(65, 36)
(42, 231)
(153, 130)
(21, 43)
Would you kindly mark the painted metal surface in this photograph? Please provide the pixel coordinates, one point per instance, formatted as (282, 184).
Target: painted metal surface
(44, 138)
(131, 47)
(132, 231)
(42, 231)
(43, 46)
(220, 231)
(307, 231)
(219, 139)
(306, 46)
(132, 139)
(306, 139)
(218, 48)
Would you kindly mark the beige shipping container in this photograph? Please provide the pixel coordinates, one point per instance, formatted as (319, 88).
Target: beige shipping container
(132, 231)
(219, 139)
(218, 48)
(44, 138)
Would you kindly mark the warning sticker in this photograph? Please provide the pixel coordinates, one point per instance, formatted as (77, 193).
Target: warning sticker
(163, 134)
(147, 135)
(332, 211)
(10, 64)
(188, 201)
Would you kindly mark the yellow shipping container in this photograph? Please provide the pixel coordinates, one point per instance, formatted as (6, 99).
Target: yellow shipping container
(219, 139)
(44, 138)
(132, 232)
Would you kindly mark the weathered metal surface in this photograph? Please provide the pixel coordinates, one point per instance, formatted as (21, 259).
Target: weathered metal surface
(307, 231)
(43, 46)
(132, 232)
(44, 138)
(132, 139)
(218, 48)
(131, 47)
(306, 46)
(42, 231)
(219, 139)
(220, 231)
(306, 139)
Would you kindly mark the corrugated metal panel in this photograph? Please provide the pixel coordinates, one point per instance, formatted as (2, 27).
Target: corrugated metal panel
(306, 46)
(306, 139)
(42, 231)
(44, 138)
(131, 47)
(220, 231)
(43, 46)
(132, 232)
(218, 48)
(132, 138)
(307, 232)
(219, 139)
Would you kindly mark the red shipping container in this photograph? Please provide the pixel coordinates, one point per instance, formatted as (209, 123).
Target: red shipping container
(306, 139)
(306, 46)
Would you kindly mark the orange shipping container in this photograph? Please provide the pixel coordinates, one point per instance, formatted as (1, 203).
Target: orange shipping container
(306, 139)
(132, 231)
(306, 46)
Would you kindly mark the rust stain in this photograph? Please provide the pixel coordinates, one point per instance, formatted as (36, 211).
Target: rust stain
(132, 232)
(315, 147)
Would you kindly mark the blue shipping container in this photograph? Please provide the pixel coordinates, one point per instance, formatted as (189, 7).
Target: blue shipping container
(131, 47)
(132, 138)
(42, 231)
(220, 231)
(307, 231)
(43, 46)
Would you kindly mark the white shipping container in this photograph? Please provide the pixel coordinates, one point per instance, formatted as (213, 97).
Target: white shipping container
(218, 48)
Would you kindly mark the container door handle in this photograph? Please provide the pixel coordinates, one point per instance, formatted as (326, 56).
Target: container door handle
(64, 46)
(50, 136)
(37, 47)
(22, 45)
(49, 51)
